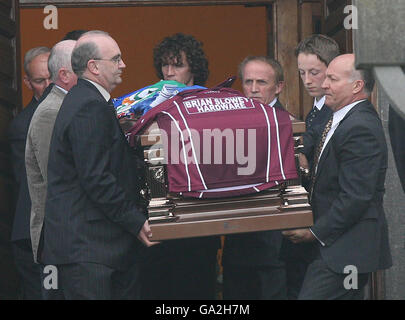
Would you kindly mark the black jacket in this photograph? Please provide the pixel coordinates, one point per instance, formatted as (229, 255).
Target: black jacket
(17, 135)
(92, 212)
(348, 194)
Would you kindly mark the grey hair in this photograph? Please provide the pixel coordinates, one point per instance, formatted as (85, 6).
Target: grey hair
(278, 69)
(85, 51)
(60, 57)
(31, 55)
(366, 75)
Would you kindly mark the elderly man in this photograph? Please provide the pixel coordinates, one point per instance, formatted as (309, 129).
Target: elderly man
(186, 268)
(93, 213)
(262, 79)
(350, 228)
(252, 269)
(40, 132)
(36, 79)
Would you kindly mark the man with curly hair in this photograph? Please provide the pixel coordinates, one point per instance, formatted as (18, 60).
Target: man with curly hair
(186, 268)
(181, 58)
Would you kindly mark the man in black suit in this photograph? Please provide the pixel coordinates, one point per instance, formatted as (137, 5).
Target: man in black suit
(252, 269)
(350, 228)
(314, 54)
(36, 79)
(93, 212)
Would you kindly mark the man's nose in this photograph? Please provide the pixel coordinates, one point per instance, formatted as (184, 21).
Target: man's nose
(255, 87)
(121, 64)
(170, 70)
(325, 84)
(307, 78)
(47, 82)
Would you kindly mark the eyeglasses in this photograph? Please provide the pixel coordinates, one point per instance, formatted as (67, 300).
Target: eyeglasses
(116, 59)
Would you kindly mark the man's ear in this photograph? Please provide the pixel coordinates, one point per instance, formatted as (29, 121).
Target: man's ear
(63, 75)
(92, 67)
(358, 86)
(279, 87)
(27, 82)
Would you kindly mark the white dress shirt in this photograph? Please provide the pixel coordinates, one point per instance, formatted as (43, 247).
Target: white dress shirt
(273, 102)
(320, 103)
(63, 90)
(100, 88)
(337, 117)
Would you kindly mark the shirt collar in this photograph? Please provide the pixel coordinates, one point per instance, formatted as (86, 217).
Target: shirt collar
(341, 113)
(319, 104)
(60, 88)
(100, 88)
(271, 104)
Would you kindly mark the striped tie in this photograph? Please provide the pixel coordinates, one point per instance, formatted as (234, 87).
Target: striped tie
(318, 153)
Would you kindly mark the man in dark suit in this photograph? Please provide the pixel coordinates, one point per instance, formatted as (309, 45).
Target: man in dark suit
(314, 54)
(36, 79)
(93, 212)
(350, 228)
(252, 269)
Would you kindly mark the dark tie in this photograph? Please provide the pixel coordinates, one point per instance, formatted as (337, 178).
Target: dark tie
(318, 153)
(310, 117)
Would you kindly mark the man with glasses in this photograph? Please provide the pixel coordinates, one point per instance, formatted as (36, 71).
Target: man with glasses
(93, 212)
(36, 79)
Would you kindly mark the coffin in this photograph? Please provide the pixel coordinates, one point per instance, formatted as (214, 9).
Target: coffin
(172, 216)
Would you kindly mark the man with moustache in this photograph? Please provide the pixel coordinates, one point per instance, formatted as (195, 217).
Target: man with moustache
(350, 228)
(93, 215)
(252, 269)
(36, 78)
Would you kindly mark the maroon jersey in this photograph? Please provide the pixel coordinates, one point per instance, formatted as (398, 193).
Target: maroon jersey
(220, 143)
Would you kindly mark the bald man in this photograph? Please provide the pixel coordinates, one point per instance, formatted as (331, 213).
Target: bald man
(350, 228)
(94, 219)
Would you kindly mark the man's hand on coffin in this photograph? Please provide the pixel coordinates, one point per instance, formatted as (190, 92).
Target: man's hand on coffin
(145, 234)
(304, 166)
(299, 235)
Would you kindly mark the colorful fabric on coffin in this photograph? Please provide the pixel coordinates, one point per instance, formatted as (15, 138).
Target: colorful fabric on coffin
(256, 150)
(142, 100)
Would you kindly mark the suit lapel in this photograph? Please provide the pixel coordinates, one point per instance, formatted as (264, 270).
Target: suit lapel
(326, 151)
(278, 105)
(323, 157)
